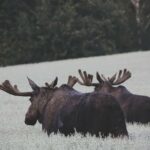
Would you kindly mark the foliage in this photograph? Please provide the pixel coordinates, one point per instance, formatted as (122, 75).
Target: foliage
(33, 31)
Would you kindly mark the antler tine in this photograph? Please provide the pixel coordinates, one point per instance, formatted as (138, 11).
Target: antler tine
(47, 85)
(82, 77)
(72, 80)
(15, 86)
(122, 77)
(90, 77)
(53, 83)
(120, 73)
(86, 79)
(98, 77)
(112, 79)
(8, 88)
(103, 77)
(86, 76)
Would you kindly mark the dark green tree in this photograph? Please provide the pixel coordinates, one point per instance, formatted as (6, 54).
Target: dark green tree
(41, 30)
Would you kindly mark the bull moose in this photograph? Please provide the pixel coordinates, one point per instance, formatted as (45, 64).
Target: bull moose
(65, 110)
(135, 107)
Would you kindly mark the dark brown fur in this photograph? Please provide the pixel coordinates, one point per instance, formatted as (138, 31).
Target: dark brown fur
(63, 109)
(135, 107)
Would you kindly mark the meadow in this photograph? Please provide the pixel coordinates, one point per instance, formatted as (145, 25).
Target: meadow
(15, 135)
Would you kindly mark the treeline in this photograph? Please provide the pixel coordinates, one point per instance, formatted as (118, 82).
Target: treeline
(42, 30)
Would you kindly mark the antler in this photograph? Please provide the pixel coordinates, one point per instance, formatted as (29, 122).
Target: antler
(72, 81)
(86, 79)
(13, 90)
(53, 84)
(101, 78)
(122, 77)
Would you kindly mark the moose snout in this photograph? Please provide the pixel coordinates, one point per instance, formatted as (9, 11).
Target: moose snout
(30, 119)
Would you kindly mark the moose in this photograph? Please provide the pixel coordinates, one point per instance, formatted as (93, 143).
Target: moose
(65, 110)
(136, 108)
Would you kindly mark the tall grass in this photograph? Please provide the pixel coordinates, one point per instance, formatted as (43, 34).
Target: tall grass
(15, 135)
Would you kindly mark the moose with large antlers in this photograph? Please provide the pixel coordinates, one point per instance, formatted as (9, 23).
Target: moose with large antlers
(64, 109)
(135, 107)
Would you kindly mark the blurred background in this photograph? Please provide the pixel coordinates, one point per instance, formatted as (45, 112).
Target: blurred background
(45, 30)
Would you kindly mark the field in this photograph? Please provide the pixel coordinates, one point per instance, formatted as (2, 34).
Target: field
(15, 135)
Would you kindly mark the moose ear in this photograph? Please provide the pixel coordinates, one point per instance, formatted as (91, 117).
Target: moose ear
(54, 83)
(33, 85)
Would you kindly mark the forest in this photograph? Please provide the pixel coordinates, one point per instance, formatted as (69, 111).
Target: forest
(46, 30)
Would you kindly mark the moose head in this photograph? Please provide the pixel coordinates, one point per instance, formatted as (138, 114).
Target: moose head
(106, 85)
(38, 98)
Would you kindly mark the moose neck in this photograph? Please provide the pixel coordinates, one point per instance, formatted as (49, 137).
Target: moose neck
(42, 104)
(119, 91)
